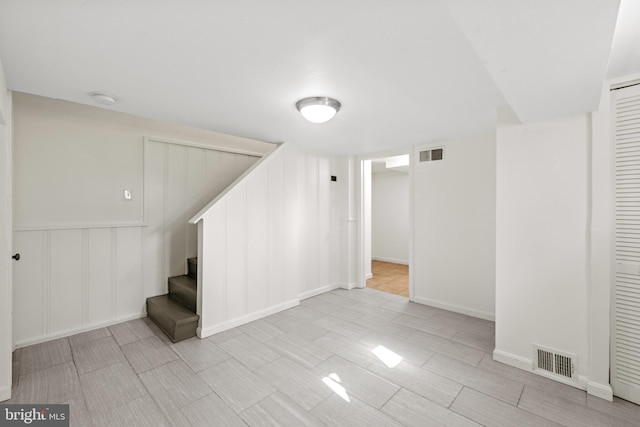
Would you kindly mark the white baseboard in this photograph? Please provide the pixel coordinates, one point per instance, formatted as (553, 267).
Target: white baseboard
(455, 308)
(603, 391)
(317, 291)
(393, 260)
(78, 330)
(5, 392)
(239, 321)
(512, 360)
(348, 286)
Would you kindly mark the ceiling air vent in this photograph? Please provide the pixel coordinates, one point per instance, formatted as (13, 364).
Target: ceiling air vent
(554, 363)
(432, 155)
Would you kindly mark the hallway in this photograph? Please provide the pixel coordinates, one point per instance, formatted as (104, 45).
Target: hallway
(389, 277)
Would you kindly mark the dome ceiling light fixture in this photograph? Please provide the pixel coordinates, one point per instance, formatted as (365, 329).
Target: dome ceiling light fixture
(103, 98)
(318, 109)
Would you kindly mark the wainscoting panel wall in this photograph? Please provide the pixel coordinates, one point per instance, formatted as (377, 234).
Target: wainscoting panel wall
(180, 179)
(75, 278)
(269, 241)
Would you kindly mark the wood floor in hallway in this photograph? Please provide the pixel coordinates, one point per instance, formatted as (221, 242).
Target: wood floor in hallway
(389, 277)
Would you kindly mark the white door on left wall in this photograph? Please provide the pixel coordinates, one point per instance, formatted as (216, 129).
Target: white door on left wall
(6, 343)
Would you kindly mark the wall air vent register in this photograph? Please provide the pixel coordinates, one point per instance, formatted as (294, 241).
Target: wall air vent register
(432, 155)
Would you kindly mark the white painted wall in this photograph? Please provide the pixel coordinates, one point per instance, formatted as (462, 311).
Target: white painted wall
(75, 161)
(91, 258)
(353, 267)
(269, 241)
(453, 262)
(5, 239)
(390, 217)
(543, 239)
(367, 225)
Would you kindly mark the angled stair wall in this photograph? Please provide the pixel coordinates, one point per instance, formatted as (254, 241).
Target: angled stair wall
(269, 240)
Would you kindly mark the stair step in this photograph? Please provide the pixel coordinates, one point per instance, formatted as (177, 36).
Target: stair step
(184, 289)
(175, 320)
(193, 267)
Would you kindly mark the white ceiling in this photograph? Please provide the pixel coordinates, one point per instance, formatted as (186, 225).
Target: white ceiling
(406, 72)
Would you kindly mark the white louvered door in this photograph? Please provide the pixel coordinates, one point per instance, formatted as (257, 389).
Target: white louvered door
(625, 363)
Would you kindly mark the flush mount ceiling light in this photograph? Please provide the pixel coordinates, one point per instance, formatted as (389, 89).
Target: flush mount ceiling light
(318, 109)
(103, 98)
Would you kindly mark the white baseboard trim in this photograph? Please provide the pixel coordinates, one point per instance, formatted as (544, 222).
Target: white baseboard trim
(5, 392)
(455, 308)
(348, 286)
(78, 330)
(239, 321)
(393, 260)
(317, 291)
(512, 360)
(603, 391)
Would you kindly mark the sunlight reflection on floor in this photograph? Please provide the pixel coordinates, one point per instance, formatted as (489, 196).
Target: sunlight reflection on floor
(387, 356)
(333, 381)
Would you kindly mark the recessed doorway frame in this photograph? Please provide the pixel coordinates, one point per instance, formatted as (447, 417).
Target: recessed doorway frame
(364, 212)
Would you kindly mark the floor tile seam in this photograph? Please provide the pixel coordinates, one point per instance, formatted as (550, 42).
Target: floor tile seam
(50, 366)
(213, 392)
(451, 406)
(90, 340)
(471, 387)
(581, 405)
(391, 397)
(158, 366)
(451, 342)
(142, 340)
(453, 410)
(524, 383)
(479, 379)
(15, 395)
(93, 414)
(368, 370)
(106, 366)
(286, 356)
(44, 369)
(159, 404)
(440, 375)
(539, 415)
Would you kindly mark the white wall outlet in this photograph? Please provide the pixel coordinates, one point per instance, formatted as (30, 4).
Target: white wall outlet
(127, 195)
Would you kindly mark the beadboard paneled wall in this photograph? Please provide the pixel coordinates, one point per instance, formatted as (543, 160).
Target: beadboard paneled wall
(269, 241)
(179, 180)
(76, 279)
(90, 257)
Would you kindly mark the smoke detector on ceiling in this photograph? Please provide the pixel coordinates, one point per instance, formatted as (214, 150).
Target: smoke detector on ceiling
(103, 98)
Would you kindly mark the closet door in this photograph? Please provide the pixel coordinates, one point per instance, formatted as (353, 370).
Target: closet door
(625, 361)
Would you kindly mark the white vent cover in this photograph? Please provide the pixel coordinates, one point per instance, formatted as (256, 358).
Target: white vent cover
(554, 363)
(431, 155)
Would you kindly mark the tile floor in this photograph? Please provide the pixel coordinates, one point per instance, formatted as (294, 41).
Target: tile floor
(310, 365)
(389, 277)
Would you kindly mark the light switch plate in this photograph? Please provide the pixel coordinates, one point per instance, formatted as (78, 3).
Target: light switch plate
(127, 195)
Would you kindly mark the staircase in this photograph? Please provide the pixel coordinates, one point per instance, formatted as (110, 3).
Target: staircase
(175, 312)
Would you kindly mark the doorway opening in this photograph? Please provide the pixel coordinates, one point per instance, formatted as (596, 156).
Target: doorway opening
(386, 223)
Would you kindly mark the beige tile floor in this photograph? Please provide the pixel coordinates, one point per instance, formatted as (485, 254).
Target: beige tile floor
(311, 365)
(389, 277)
